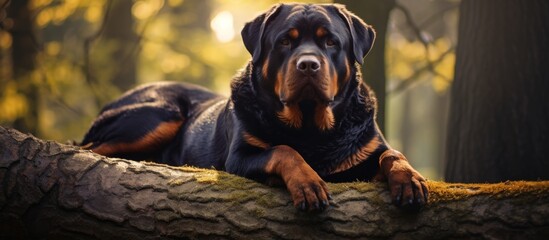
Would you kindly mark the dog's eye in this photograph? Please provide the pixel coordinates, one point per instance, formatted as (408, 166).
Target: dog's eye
(285, 42)
(330, 43)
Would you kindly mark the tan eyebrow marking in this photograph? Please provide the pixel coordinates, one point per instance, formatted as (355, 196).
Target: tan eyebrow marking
(294, 33)
(321, 32)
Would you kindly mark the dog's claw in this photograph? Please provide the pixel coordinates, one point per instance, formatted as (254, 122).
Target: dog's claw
(303, 206)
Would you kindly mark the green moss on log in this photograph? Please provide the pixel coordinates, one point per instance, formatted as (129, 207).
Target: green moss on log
(438, 191)
(444, 192)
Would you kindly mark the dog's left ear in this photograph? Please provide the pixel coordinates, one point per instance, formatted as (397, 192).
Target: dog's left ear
(363, 35)
(252, 33)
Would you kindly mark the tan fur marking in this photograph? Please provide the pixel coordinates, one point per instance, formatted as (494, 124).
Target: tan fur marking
(291, 116)
(293, 33)
(321, 32)
(324, 117)
(254, 141)
(278, 84)
(334, 86)
(265, 68)
(347, 70)
(361, 155)
(165, 132)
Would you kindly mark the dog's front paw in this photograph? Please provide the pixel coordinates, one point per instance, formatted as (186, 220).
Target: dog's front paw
(309, 192)
(408, 188)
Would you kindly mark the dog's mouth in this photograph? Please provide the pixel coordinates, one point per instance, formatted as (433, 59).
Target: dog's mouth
(305, 103)
(307, 92)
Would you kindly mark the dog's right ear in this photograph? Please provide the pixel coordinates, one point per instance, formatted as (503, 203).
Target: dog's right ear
(252, 33)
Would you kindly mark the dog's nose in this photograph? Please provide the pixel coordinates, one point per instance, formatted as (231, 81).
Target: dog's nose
(308, 64)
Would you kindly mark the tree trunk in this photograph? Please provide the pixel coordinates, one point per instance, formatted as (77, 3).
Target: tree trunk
(375, 13)
(23, 53)
(498, 124)
(54, 191)
(119, 32)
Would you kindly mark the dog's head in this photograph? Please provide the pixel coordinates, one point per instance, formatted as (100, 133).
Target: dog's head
(305, 54)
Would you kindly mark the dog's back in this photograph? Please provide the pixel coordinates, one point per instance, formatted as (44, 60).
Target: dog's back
(144, 122)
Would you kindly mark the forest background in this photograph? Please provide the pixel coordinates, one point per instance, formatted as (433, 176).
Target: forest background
(62, 60)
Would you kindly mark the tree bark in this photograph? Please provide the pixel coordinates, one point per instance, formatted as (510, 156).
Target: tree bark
(375, 13)
(499, 103)
(54, 191)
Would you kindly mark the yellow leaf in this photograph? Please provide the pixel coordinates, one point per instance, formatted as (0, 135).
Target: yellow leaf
(446, 66)
(13, 104)
(62, 12)
(93, 13)
(44, 17)
(40, 3)
(401, 70)
(440, 84)
(5, 40)
(53, 48)
(144, 9)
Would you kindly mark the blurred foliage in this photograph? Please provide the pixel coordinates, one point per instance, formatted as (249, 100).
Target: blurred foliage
(195, 41)
(421, 56)
(406, 59)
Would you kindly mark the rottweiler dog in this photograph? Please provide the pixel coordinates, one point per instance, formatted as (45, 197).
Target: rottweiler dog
(298, 114)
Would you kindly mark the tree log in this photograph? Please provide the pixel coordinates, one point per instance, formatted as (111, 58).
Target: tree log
(55, 191)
